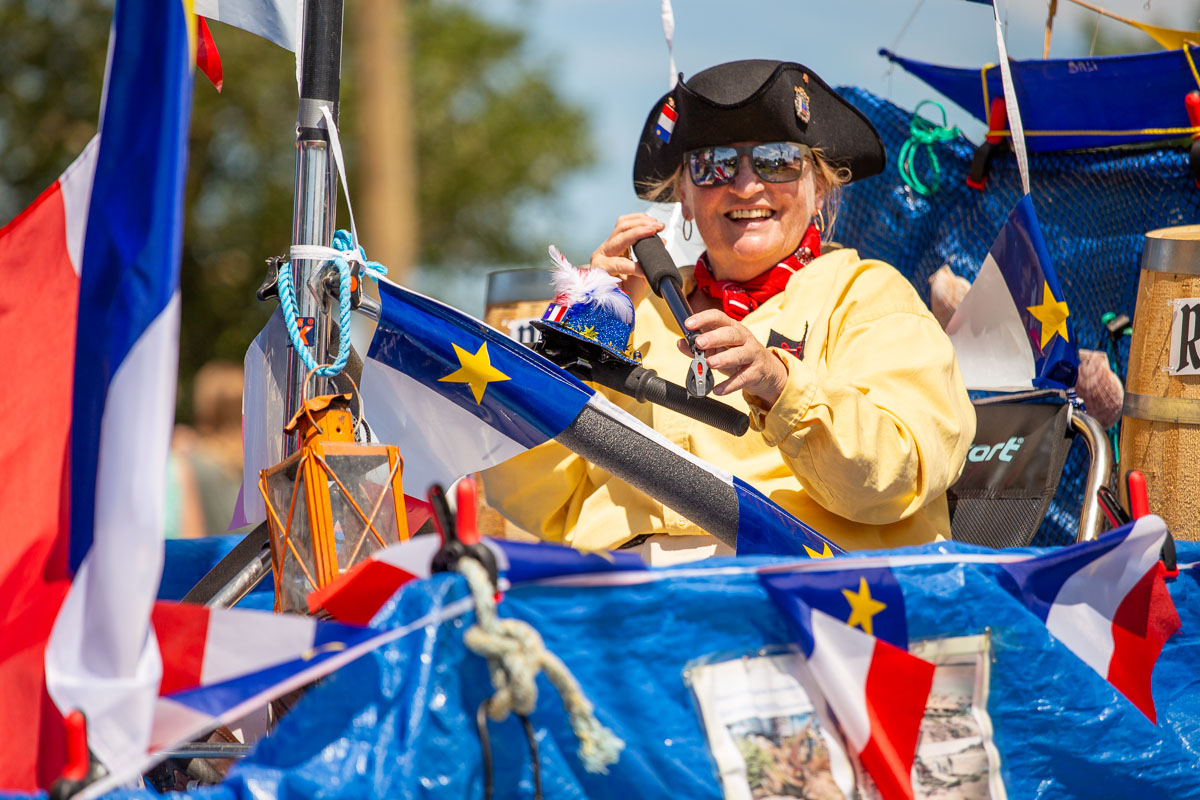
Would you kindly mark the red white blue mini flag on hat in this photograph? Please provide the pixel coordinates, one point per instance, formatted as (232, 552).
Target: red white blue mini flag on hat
(666, 121)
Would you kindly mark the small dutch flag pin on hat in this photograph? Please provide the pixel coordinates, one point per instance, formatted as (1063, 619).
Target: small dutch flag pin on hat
(666, 120)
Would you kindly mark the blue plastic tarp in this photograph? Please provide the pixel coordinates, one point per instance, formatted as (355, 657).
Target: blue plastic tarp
(401, 721)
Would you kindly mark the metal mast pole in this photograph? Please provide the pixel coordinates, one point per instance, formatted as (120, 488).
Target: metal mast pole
(315, 210)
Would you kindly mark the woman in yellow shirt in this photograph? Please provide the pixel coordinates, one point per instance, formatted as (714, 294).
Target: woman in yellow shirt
(860, 418)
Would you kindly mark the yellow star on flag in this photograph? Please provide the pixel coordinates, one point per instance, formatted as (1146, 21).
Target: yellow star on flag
(1052, 314)
(825, 551)
(863, 607)
(475, 370)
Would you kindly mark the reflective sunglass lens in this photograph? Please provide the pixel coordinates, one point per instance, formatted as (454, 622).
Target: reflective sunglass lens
(713, 166)
(774, 162)
(779, 162)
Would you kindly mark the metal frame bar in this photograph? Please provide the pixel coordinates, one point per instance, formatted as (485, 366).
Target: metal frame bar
(1099, 473)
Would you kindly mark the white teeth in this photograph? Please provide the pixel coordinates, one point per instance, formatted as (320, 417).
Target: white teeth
(750, 213)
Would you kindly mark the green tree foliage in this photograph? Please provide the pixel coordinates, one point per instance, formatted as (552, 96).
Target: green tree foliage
(489, 137)
(51, 78)
(492, 138)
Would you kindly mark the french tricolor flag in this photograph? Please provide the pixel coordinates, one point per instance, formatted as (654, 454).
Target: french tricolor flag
(851, 627)
(102, 658)
(1108, 602)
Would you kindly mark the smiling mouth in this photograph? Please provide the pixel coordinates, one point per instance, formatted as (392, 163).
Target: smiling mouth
(740, 214)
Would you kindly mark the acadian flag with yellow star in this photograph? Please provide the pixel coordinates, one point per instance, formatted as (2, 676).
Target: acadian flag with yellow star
(851, 627)
(457, 396)
(1013, 330)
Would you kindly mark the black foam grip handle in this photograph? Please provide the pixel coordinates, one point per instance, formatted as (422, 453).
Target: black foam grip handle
(645, 385)
(656, 262)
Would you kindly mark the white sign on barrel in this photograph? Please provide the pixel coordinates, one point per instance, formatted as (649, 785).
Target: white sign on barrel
(1184, 358)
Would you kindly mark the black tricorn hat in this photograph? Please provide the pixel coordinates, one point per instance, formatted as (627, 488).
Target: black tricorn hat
(754, 101)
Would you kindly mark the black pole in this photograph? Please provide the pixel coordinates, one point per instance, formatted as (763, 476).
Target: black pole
(321, 60)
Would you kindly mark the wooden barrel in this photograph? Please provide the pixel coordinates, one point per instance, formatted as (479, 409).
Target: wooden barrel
(514, 297)
(1160, 428)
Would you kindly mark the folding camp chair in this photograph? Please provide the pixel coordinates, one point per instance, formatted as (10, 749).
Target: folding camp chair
(1015, 466)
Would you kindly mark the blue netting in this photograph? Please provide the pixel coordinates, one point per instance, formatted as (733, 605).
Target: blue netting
(1094, 208)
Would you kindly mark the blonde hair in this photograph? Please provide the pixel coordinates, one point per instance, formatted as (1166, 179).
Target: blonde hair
(828, 177)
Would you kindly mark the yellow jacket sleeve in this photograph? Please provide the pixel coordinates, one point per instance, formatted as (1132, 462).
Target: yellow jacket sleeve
(541, 490)
(560, 496)
(877, 423)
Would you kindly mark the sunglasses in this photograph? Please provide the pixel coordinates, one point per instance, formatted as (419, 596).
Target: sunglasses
(774, 162)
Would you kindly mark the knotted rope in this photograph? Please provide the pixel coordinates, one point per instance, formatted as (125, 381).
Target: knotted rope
(516, 654)
(341, 254)
(923, 133)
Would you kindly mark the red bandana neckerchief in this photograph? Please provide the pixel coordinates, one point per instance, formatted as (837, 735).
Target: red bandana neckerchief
(739, 299)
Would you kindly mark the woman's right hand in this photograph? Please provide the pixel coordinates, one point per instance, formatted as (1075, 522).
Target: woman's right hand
(614, 256)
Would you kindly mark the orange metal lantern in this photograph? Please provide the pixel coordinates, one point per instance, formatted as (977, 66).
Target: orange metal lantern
(331, 503)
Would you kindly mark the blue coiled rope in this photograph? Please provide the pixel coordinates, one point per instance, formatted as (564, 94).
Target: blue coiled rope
(341, 254)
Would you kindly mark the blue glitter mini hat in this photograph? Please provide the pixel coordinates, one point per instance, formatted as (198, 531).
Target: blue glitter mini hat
(590, 305)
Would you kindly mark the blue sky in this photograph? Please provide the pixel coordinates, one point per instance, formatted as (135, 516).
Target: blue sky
(610, 56)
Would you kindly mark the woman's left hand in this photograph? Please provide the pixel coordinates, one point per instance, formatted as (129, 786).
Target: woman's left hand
(732, 350)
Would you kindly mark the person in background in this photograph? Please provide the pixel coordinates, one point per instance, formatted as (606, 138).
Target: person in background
(860, 420)
(205, 465)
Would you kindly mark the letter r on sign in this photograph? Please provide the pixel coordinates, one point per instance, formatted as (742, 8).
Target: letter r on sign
(1185, 333)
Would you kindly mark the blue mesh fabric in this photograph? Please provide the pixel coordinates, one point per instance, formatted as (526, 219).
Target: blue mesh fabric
(1094, 208)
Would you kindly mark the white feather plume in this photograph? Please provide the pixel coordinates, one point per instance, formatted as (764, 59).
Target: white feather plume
(558, 258)
(589, 285)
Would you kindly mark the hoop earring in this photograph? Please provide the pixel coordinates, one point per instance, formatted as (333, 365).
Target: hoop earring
(687, 230)
(819, 221)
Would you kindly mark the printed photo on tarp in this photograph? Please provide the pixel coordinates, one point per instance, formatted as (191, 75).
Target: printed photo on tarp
(768, 742)
(956, 754)
(765, 732)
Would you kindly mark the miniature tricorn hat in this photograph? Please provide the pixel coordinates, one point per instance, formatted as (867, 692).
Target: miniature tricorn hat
(753, 101)
(590, 305)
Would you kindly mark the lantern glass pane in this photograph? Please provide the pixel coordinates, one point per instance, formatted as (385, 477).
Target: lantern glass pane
(368, 480)
(294, 585)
